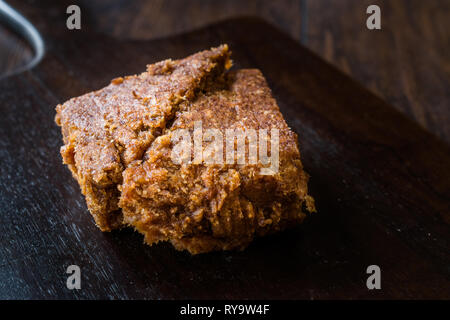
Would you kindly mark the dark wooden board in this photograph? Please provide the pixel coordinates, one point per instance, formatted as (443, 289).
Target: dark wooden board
(381, 183)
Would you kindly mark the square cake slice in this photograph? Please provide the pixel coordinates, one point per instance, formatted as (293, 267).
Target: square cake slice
(187, 152)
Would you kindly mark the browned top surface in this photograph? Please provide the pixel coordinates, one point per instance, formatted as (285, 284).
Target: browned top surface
(127, 114)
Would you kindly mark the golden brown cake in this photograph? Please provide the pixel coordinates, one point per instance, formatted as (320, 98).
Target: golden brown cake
(120, 143)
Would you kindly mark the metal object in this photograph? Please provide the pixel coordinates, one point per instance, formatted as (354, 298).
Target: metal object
(24, 28)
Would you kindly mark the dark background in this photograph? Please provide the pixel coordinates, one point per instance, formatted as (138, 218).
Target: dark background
(407, 63)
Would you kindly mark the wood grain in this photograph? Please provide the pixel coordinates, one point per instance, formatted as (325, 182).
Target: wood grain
(381, 183)
(407, 62)
(145, 20)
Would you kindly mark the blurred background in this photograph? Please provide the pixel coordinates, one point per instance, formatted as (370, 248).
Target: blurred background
(407, 62)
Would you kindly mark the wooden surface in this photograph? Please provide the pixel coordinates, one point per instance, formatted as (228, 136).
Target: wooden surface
(381, 183)
(407, 63)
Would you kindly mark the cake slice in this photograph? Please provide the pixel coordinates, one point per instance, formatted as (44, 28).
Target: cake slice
(106, 130)
(206, 204)
(236, 175)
